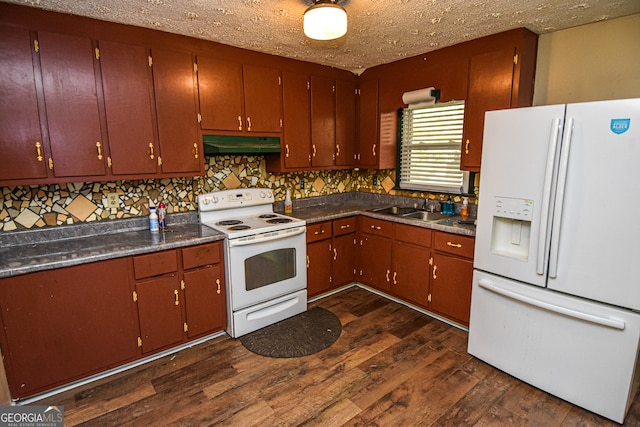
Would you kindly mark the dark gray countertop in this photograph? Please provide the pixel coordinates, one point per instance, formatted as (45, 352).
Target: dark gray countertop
(36, 250)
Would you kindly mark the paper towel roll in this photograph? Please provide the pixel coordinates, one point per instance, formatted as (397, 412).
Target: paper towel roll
(419, 96)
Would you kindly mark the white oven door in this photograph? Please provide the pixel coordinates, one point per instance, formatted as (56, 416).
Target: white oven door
(266, 266)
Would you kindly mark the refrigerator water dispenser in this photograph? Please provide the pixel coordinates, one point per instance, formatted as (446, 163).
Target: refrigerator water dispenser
(511, 230)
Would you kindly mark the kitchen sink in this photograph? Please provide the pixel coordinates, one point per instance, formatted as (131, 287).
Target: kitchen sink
(394, 210)
(426, 216)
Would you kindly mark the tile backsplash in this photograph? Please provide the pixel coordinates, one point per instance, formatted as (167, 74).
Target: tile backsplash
(31, 207)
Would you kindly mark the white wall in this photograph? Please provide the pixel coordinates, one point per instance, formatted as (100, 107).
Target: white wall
(589, 63)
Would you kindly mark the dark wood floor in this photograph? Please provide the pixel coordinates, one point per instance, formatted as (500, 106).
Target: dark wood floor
(391, 366)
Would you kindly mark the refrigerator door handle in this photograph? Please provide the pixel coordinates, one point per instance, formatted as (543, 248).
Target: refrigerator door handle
(545, 212)
(603, 321)
(557, 210)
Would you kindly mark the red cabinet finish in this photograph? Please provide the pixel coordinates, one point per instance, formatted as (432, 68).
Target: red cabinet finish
(65, 324)
(297, 120)
(23, 152)
(176, 106)
(345, 122)
(323, 121)
(128, 99)
(73, 117)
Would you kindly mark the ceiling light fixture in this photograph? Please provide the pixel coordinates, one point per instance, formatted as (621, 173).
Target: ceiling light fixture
(325, 20)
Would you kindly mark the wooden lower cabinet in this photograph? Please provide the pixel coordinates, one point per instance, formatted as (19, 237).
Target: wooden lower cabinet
(64, 324)
(330, 255)
(431, 269)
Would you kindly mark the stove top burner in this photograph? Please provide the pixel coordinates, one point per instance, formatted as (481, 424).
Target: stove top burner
(229, 222)
(264, 216)
(239, 227)
(279, 220)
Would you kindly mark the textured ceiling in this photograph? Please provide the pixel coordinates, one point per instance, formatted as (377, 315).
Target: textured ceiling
(380, 31)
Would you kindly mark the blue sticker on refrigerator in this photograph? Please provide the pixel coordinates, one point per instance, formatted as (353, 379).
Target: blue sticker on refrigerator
(619, 126)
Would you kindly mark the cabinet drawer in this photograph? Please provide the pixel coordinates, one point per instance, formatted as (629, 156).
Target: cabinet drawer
(155, 264)
(198, 256)
(377, 227)
(416, 235)
(454, 244)
(318, 231)
(344, 226)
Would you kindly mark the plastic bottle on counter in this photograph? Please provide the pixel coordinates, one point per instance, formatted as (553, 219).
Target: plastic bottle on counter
(288, 204)
(162, 216)
(153, 219)
(464, 211)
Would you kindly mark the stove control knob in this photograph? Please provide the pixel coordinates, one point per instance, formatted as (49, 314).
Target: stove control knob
(214, 199)
(269, 194)
(262, 195)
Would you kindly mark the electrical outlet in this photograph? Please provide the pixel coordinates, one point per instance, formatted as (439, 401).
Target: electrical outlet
(376, 181)
(302, 184)
(113, 200)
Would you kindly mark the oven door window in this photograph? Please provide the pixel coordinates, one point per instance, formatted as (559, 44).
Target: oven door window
(269, 267)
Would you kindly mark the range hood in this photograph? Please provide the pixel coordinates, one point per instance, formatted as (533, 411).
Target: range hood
(218, 144)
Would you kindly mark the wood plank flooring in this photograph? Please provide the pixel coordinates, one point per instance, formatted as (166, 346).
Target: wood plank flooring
(392, 366)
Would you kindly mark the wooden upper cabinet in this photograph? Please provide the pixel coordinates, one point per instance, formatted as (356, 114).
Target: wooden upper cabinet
(23, 154)
(128, 98)
(323, 121)
(174, 82)
(345, 122)
(296, 127)
(239, 98)
(73, 116)
(221, 94)
(368, 149)
(262, 99)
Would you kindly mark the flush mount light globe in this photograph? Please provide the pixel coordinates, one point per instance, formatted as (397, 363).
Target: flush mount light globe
(325, 20)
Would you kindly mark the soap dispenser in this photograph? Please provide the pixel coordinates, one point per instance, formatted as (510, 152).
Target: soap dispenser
(288, 204)
(464, 211)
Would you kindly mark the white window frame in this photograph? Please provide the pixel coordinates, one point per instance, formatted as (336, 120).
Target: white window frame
(430, 148)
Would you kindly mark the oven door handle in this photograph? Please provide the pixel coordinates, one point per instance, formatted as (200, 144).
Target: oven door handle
(277, 236)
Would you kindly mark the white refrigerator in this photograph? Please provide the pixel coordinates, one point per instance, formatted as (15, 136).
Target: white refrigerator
(556, 285)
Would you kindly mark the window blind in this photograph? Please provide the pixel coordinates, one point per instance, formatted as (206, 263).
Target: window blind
(430, 148)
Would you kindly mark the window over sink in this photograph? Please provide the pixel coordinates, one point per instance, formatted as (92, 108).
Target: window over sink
(429, 152)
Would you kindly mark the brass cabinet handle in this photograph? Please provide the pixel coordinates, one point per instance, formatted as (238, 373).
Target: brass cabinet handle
(454, 245)
(388, 275)
(248, 124)
(175, 292)
(373, 227)
(321, 231)
(394, 277)
(195, 150)
(435, 267)
(466, 147)
(342, 227)
(218, 284)
(314, 150)
(239, 123)
(286, 148)
(150, 151)
(307, 261)
(337, 150)
(374, 150)
(99, 147)
(335, 254)
(39, 151)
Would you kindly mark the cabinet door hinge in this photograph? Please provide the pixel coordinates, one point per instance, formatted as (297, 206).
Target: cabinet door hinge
(330, 279)
(515, 59)
(279, 81)
(97, 53)
(429, 298)
(109, 161)
(186, 327)
(159, 161)
(195, 67)
(139, 342)
(431, 261)
(199, 118)
(182, 286)
(280, 123)
(50, 163)
(150, 61)
(308, 85)
(36, 46)
(135, 296)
